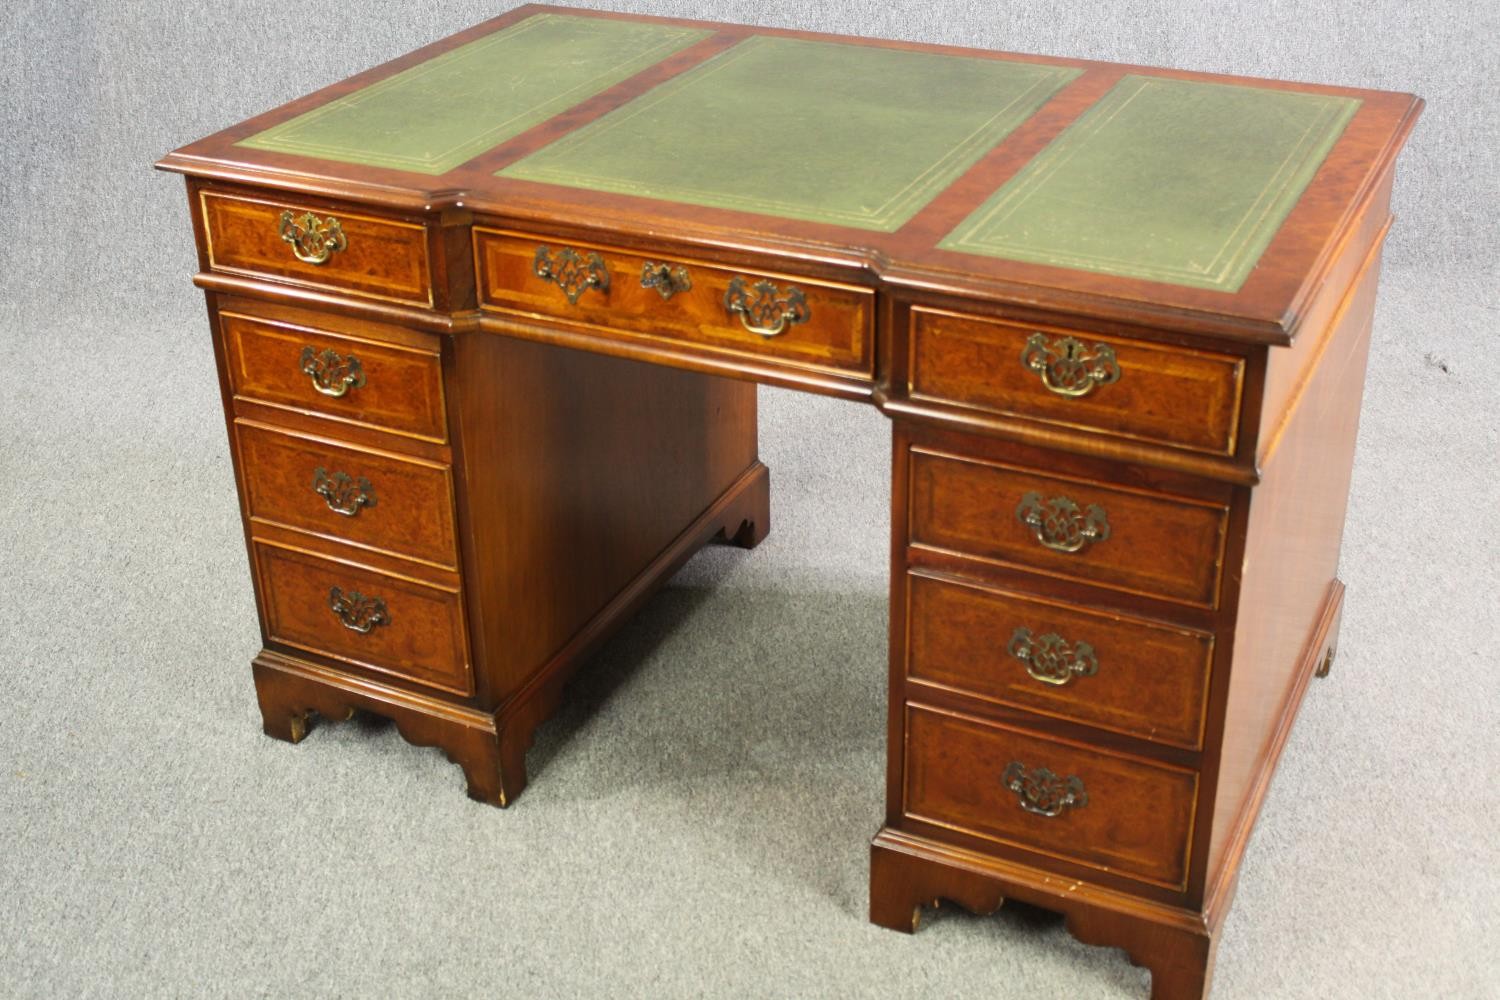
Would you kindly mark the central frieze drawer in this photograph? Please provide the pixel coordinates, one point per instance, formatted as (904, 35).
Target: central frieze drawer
(1080, 804)
(377, 500)
(1126, 539)
(794, 320)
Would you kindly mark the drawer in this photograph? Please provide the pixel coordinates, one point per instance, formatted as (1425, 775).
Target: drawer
(810, 324)
(385, 623)
(1115, 672)
(1126, 539)
(1105, 810)
(376, 500)
(293, 242)
(346, 377)
(1124, 388)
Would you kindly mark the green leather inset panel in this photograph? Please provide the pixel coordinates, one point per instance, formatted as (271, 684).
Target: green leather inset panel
(1168, 180)
(430, 118)
(849, 134)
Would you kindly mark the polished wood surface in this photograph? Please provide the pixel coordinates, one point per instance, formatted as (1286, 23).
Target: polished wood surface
(836, 336)
(1148, 679)
(382, 258)
(385, 502)
(1136, 820)
(422, 641)
(402, 389)
(1173, 395)
(1156, 545)
(1126, 579)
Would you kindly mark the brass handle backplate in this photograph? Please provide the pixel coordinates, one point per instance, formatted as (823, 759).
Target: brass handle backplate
(1051, 659)
(313, 240)
(1067, 367)
(343, 493)
(357, 612)
(765, 309)
(666, 279)
(1060, 525)
(1041, 792)
(332, 374)
(571, 271)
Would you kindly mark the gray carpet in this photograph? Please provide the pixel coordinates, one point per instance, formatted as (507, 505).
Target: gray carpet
(700, 811)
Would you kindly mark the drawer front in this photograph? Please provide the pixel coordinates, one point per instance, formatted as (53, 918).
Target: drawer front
(805, 323)
(380, 501)
(388, 624)
(1126, 388)
(1129, 540)
(1105, 810)
(389, 386)
(1118, 673)
(288, 241)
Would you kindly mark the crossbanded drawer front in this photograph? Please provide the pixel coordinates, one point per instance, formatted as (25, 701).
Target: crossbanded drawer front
(1111, 671)
(794, 320)
(359, 380)
(1153, 392)
(1105, 810)
(294, 242)
(385, 623)
(396, 505)
(1131, 540)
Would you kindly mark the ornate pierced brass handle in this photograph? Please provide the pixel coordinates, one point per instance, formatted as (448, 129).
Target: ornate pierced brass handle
(1051, 659)
(357, 612)
(1041, 792)
(1060, 525)
(765, 309)
(666, 279)
(332, 374)
(571, 271)
(313, 240)
(1067, 367)
(343, 493)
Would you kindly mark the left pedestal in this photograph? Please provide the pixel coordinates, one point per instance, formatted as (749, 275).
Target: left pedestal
(441, 526)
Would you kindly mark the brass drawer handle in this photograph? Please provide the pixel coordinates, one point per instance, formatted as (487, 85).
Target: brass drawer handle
(666, 279)
(357, 612)
(343, 493)
(1041, 792)
(313, 240)
(1060, 525)
(1051, 659)
(332, 374)
(1067, 367)
(765, 309)
(571, 271)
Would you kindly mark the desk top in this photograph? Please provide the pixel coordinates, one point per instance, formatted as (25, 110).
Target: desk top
(1205, 203)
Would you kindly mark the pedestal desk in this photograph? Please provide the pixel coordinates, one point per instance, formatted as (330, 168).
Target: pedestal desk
(489, 321)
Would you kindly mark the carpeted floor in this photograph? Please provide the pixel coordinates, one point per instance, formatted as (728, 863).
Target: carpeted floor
(699, 814)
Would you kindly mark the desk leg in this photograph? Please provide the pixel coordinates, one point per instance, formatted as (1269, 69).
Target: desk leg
(909, 872)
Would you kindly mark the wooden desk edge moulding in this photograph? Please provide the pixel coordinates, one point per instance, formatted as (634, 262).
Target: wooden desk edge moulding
(488, 347)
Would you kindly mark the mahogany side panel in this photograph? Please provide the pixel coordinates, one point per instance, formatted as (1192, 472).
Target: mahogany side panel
(1291, 561)
(575, 471)
(1289, 369)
